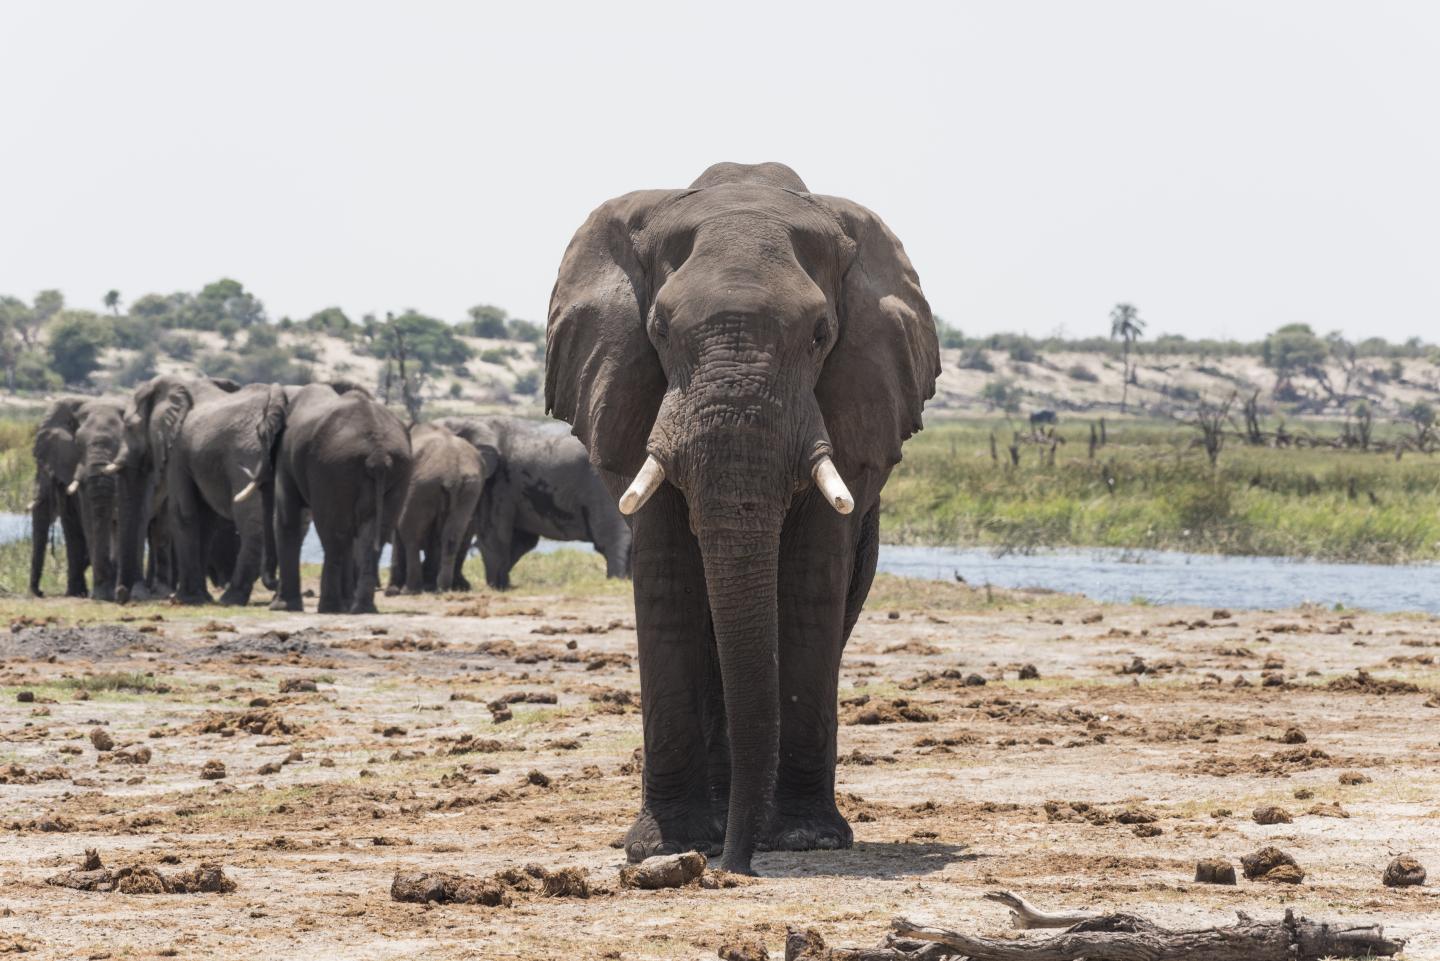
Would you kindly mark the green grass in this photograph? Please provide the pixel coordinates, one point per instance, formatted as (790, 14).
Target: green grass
(1150, 487)
(132, 682)
(574, 572)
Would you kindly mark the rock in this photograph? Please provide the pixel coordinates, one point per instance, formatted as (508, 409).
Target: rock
(1293, 735)
(1214, 871)
(298, 685)
(101, 739)
(1147, 830)
(1029, 673)
(25, 697)
(1271, 864)
(213, 770)
(663, 871)
(1404, 872)
(269, 767)
(974, 680)
(1271, 814)
(1135, 814)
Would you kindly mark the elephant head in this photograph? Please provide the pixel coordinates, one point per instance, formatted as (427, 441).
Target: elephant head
(748, 342)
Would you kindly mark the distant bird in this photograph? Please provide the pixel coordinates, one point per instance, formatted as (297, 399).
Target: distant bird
(959, 578)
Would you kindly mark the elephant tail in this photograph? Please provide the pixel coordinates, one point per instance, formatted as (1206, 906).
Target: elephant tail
(378, 465)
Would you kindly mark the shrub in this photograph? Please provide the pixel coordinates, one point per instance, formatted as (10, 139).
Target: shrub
(76, 341)
(1081, 372)
(527, 383)
(974, 359)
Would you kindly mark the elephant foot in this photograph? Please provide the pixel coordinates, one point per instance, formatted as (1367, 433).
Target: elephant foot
(105, 595)
(122, 595)
(820, 829)
(194, 600)
(460, 584)
(650, 836)
(393, 591)
(235, 598)
(281, 604)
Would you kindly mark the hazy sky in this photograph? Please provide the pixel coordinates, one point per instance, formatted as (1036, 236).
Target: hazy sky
(1228, 167)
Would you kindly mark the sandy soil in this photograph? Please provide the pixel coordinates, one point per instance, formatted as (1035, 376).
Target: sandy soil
(367, 774)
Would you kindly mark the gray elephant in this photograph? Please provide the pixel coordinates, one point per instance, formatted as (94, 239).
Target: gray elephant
(742, 359)
(544, 486)
(75, 441)
(445, 487)
(189, 461)
(337, 451)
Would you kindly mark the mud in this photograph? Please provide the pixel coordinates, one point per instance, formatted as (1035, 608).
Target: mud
(362, 750)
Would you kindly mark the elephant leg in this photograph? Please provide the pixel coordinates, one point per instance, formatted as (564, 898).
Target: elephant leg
(679, 811)
(77, 550)
(336, 574)
(459, 581)
(452, 530)
(398, 572)
(250, 522)
(430, 579)
(521, 543)
(289, 533)
(818, 586)
(191, 528)
(414, 569)
(269, 563)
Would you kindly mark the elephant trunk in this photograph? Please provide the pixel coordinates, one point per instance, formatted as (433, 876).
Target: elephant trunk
(98, 503)
(739, 538)
(135, 497)
(41, 517)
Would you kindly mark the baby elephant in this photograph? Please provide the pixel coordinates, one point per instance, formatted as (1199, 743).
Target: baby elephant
(445, 487)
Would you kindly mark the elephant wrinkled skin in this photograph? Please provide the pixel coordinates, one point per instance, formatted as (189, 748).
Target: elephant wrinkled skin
(737, 339)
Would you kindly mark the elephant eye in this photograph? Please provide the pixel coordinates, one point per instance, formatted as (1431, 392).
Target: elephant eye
(661, 325)
(822, 333)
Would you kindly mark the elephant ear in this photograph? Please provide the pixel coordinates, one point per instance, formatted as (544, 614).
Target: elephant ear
(602, 374)
(168, 408)
(226, 384)
(887, 342)
(272, 425)
(55, 439)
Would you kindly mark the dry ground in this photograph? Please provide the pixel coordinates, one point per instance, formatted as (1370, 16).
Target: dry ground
(944, 810)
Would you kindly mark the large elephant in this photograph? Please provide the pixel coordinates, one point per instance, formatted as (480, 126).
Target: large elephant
(76, 439)
(337, 451)
(747, 357)
(445, 486)
(188, 475)
(544, 487)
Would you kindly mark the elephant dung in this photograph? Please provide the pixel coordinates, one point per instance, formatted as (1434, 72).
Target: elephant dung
(1271, 864)
(664, 871)
(1404, 872)
(1214, 871)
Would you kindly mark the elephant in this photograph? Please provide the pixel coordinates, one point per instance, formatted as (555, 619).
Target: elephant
(336, 450)
(448, 477)
(187, 476)
(743, 360)
(544, 487)
(75, 441)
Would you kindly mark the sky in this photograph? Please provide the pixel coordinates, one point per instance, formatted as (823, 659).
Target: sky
(1228, 167)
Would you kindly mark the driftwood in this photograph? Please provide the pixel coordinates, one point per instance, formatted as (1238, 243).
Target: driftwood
(1125, 937)
(1114, 937)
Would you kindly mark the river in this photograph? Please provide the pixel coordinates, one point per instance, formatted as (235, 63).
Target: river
(1104, 574)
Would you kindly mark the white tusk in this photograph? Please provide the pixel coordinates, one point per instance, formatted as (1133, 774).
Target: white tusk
(244, 495)
(32, 505)
(650, 477)
(111, 468)
(74, 486)
(247, 472)
(827, 478)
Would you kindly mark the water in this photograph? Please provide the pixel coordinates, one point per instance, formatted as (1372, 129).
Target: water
(1156, 577)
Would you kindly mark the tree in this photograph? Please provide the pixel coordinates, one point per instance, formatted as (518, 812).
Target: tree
(331, 320)
(76, 341)
(1127, 327)
(112, 301)
(487, 320)
(1292, 350)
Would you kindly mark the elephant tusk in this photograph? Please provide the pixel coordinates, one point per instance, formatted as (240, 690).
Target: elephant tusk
(74, 486)
(650, 477)
(111, 468)
(827, 478)
(244, 495)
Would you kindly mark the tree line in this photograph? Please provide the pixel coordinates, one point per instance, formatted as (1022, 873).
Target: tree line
(47, 344)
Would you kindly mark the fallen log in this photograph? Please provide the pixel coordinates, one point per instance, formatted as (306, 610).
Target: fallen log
(1125, 937)
(1025, 915)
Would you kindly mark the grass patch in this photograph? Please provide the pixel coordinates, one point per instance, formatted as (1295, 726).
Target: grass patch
(1151, 487)
(571, 572)
(130, 682)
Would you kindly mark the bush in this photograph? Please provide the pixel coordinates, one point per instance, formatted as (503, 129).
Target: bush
(975, 359)
(486, 320)
(271, 365)
(498, 355)
(525, 330)
(1023, 352)
(528, 383)
(1081, 372)
(179, 346)
(76, 341)
(1002, 392)
(140, 367)
(32, 372)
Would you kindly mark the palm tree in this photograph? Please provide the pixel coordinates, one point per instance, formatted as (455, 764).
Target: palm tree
(1126, 326)
(112, 300)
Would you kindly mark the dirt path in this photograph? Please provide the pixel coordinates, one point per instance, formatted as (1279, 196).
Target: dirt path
(395, 761)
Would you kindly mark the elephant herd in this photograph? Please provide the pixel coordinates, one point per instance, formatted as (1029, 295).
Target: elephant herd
(196, 481)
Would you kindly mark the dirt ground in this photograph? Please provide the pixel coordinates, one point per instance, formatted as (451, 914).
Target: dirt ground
(354, 748)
